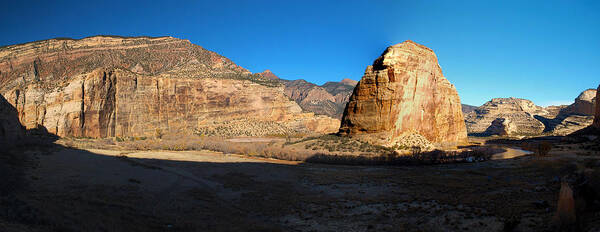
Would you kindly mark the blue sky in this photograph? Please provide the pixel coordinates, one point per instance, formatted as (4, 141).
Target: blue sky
(545, 51)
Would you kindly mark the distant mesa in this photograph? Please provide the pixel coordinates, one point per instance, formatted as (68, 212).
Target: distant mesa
(521, 117)
(402, 95)
(518, 112)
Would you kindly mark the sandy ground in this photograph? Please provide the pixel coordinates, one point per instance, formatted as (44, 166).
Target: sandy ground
(510, 153)
(106, 190)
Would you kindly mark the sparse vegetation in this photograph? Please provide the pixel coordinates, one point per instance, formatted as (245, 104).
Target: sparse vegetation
(538, 148)
(158, 133)
(330, 149)
(417, 157)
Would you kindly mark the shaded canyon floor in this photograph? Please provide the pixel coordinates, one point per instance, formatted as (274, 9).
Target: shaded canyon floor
(69, 189)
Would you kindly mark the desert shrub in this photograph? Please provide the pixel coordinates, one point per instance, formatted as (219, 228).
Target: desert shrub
(158, 133)
(538, 148)
(417, 157)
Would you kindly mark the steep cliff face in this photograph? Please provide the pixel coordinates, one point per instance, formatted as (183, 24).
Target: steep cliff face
(112, 86)
(597, 114)
(329, 99)
(584, 104)
(404, 93)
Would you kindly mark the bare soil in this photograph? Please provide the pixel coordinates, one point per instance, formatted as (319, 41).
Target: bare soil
(69, 189)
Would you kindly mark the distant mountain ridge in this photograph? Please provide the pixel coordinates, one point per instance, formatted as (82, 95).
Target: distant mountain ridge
(468, 108)
(515, 116)
(328, 99)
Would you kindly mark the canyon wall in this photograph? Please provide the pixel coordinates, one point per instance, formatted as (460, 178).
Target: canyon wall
(115, 86)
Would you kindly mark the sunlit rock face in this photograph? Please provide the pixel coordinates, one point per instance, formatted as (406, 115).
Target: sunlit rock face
(526, 118)
(404, 92)
(113, 86)
(584, 104)
(519, 112)
(597, 115)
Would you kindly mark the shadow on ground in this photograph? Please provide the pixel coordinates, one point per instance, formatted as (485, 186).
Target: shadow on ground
(49, 187)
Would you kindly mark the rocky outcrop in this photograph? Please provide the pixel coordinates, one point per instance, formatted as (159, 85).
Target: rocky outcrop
(468, 108)
(527, 118)
(329, 99)
(501, 126)
(114, 86)
(404, 92)
(269, 75)
(597, 114)
(519, 112)
(584, 104)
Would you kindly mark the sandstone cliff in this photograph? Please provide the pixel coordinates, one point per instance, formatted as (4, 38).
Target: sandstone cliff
(517, 112)
(404, 93)
(584, 104)
(523, 117)
(329, 99)
(114, 86)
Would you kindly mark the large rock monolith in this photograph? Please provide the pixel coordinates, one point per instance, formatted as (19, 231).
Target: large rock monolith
(402, 94)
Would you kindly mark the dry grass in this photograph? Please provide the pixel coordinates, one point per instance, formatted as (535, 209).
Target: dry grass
(538, 148)
(416, 158)
(329, 149)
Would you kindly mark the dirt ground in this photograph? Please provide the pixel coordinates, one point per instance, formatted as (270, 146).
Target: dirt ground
(69, 189)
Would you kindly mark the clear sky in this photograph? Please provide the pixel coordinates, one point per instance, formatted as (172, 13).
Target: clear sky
(545, 51)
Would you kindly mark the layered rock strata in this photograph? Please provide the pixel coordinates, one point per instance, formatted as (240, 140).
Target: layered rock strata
(520, 113)
(404, 92)
(114, 86)
(528, 119)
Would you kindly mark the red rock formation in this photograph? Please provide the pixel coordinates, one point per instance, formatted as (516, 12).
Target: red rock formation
(349, 82)
(404, 92)
(269, 75)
